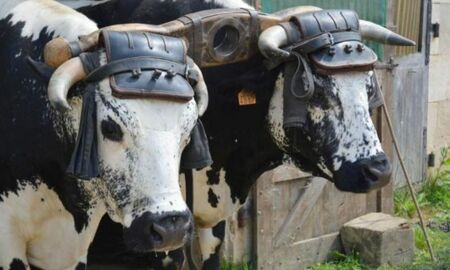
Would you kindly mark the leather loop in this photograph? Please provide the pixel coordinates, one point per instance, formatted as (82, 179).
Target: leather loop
(308, 88)
(75, 48)
(130, 64)
(254, 27)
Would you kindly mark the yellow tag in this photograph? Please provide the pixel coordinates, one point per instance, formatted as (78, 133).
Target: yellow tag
(246, 97)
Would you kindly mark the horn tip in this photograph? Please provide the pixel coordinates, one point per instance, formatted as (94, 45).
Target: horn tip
(402, 41)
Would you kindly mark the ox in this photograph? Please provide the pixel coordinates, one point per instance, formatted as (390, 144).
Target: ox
(336, 138)
(47, 218)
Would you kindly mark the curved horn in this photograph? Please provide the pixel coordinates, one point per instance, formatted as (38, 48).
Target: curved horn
(375, 32)
(271, 40)
(201, 91)
(62, 80)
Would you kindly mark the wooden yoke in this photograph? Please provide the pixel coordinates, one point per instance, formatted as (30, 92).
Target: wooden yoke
(214, 37)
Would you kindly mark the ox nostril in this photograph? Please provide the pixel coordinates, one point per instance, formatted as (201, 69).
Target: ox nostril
(370, 174)
(157, 232)
(377, 169)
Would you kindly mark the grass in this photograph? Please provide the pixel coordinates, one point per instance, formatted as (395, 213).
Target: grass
(242, 266)
(434, 200)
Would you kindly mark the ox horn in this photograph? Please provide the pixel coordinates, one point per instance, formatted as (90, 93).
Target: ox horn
(375, 32)
(271, 40)
(62, 80)
(201, 91)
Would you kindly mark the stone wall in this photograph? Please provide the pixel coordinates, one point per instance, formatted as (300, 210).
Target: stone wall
(439, 82)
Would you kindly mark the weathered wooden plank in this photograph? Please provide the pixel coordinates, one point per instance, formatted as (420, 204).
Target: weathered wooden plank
(302, 208)
(301, 254)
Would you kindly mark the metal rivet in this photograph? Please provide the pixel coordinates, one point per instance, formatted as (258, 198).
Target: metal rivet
(171, 73)
(136, 73)
(360, 47)
(156, 74)
(348, 48)
(332, 51)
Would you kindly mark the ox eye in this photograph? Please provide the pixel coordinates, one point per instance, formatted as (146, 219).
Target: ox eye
(111, 130)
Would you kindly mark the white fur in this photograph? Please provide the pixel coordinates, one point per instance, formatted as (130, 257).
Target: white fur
(231, 3)
(357, 121)
(275, 116)
(208, 243)
(38, 14)
(205, 215)
(155, 133)
(82, 3)
(156, 140)
(352, 92)
(35, 227)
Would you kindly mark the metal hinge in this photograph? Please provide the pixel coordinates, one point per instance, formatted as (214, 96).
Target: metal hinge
(390, 65)
(435, 29)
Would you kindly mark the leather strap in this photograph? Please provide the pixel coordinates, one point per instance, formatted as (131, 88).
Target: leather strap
(136, 63)
(254, 26)
(324, 40)
(75, 48)
(308, 84)
(197, 35)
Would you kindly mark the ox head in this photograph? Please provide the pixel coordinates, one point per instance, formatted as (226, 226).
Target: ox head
(140, 141)
(320, 111)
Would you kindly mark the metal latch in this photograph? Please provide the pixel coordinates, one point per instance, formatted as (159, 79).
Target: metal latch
(435, 29)
(390, 65)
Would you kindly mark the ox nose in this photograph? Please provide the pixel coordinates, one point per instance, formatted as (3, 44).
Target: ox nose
(156, 232)
(376, 171)
(169, 230)
(363, 175)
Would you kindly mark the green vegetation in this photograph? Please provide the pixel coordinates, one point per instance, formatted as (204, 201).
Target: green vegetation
(434, 199)
(242, 266)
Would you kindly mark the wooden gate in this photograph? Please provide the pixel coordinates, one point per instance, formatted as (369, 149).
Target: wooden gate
(297, 220)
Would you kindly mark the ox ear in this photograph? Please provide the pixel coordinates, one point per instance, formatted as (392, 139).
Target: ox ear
(44, 71)
(196, 155)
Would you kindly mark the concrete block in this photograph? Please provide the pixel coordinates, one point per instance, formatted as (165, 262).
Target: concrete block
(380, 239)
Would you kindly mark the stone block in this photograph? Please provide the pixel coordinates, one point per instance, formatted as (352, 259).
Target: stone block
(379, 239)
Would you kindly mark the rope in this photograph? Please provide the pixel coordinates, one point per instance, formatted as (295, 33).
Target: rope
(408, 179)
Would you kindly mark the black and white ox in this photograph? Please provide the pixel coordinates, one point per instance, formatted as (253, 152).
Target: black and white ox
(48, 219)
(338, 140)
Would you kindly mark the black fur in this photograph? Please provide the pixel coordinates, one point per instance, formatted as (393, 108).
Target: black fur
(81, 266)
(30, 146)
(17, 264)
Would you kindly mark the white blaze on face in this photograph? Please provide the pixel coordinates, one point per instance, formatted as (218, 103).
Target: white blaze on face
(46, 14)
(140, 172)
(356, 135)
(347, 116)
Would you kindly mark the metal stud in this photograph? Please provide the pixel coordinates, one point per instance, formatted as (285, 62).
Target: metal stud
(348, 48)
(332, 51)
(135, 73)
(156, 74)
(171, 73)
(360, 47)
